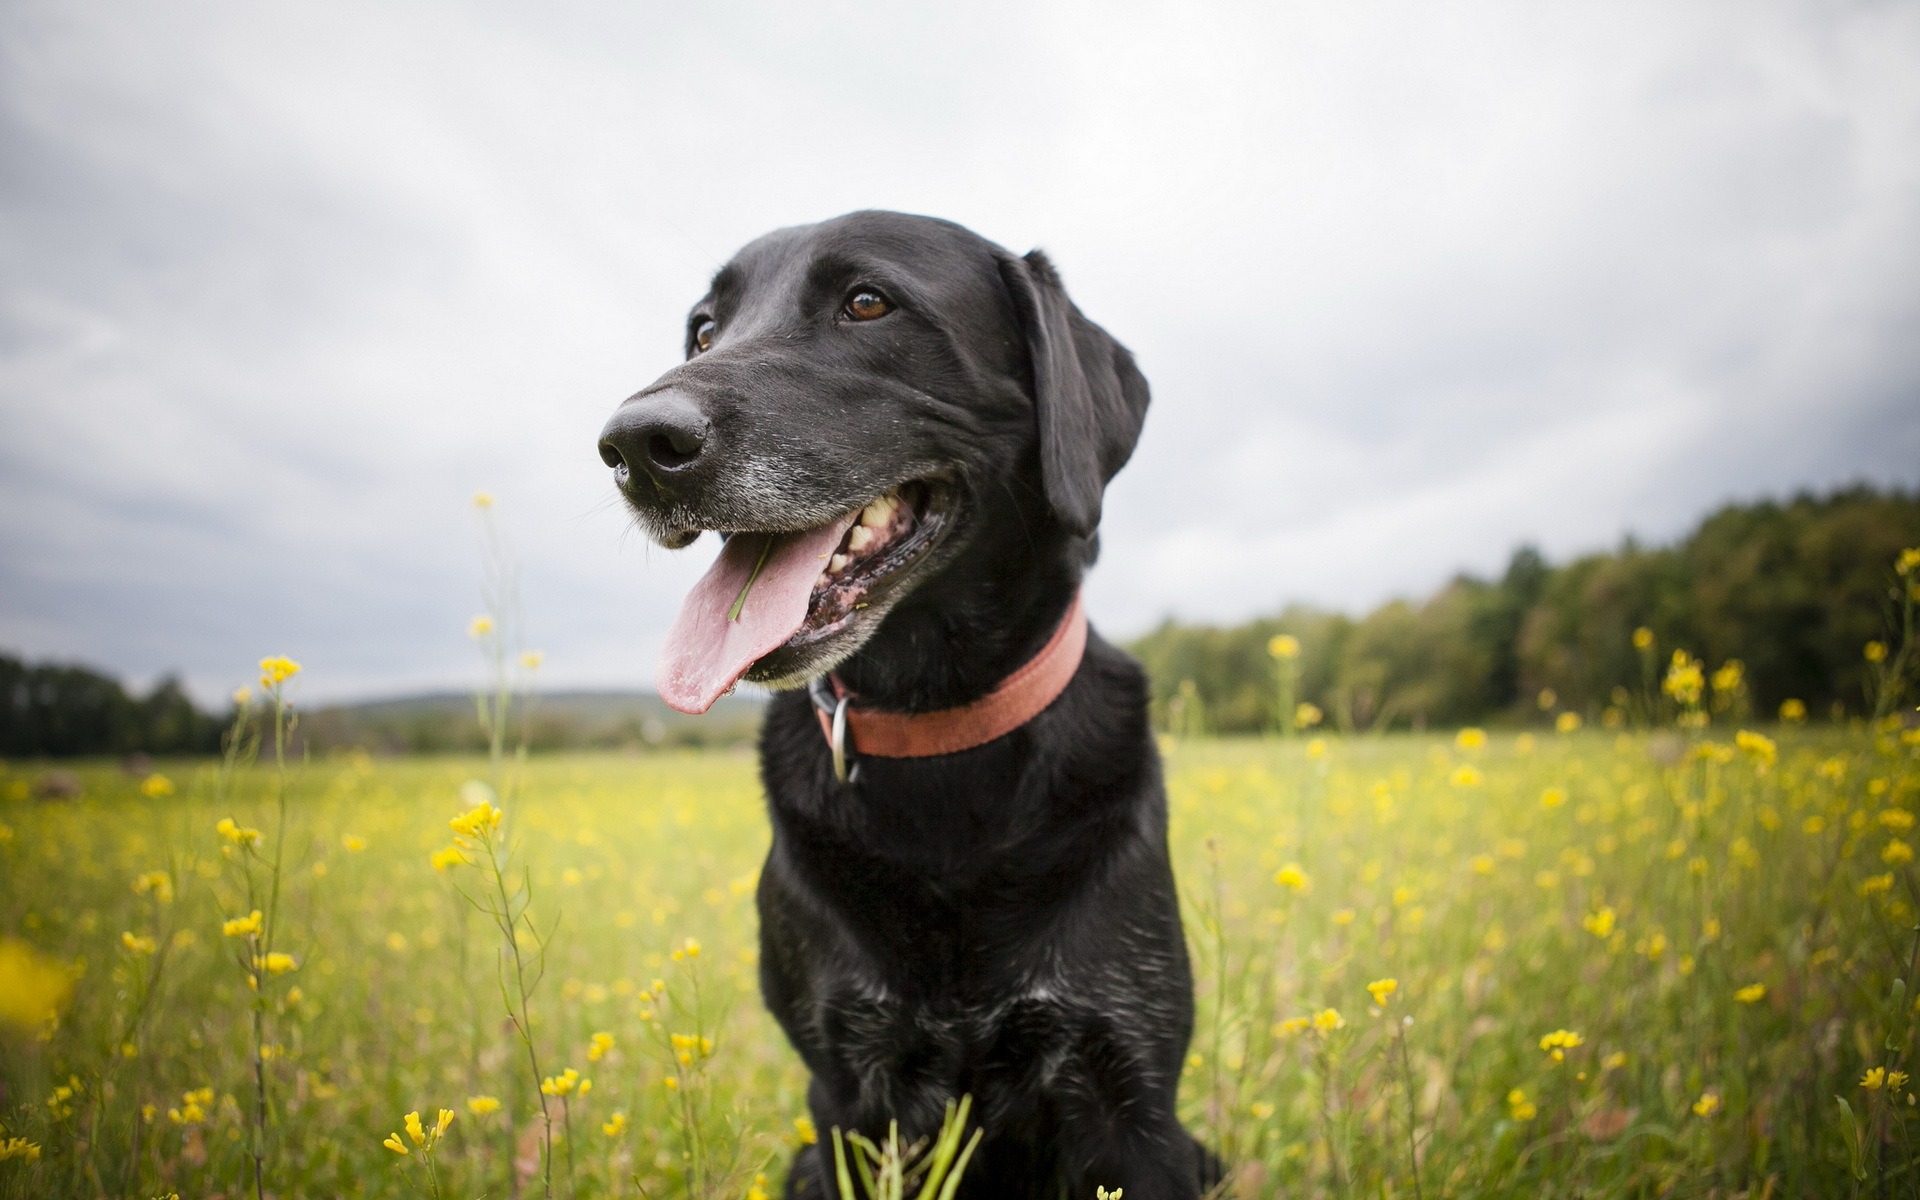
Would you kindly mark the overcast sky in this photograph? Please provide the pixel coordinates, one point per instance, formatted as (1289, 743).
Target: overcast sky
(282, 286)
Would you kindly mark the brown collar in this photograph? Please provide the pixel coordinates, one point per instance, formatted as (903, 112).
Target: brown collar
(1020, 697)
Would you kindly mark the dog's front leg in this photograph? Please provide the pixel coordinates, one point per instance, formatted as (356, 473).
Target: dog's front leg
(1157, 1161)
(1118, 1128)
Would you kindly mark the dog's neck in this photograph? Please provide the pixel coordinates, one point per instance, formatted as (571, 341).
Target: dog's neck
(964, 631)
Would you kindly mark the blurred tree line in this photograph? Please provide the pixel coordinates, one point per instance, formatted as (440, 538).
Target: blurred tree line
(59, 710)
(1792, 591)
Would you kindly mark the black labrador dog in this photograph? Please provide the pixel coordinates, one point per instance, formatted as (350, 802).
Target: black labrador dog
(903, 431)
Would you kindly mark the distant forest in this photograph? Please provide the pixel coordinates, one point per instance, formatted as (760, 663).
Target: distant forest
(58, 709)
(1794, 591)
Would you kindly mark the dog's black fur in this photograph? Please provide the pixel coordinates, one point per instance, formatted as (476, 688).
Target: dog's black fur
(1001, 922)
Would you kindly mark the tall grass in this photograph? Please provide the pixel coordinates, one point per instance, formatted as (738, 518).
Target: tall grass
(1723, 935)
(1633, 962)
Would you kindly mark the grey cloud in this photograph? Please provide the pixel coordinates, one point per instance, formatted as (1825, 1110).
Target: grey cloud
(279, 289)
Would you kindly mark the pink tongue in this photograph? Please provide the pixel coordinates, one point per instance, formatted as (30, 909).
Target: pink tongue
(706, 653)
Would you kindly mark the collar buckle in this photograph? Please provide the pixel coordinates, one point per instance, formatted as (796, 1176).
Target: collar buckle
(834, 708)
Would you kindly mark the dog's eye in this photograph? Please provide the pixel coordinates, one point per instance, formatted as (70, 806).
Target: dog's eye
(865, 306)
(703, 335)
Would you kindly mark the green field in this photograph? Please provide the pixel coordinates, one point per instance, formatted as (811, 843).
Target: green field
(1725, 935)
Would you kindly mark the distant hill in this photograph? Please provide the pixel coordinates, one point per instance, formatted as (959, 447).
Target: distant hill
(445, 721)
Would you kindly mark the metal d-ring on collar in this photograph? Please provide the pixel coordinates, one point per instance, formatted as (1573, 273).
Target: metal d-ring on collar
(836, 708)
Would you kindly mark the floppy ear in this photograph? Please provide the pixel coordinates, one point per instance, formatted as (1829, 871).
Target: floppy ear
(1088, 397)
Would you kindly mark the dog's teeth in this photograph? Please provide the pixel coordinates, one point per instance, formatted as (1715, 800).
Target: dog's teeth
(877, 514)
(835, 565)
(861, 538)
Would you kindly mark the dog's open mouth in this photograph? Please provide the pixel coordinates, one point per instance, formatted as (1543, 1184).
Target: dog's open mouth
(791, 590)
(890, 534)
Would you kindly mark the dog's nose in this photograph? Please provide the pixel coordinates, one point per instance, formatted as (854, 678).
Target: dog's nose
(661, 434)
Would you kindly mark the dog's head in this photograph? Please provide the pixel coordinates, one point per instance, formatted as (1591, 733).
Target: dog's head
(866, 404)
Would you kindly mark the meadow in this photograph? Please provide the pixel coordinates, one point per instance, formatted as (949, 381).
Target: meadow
(1593, 963)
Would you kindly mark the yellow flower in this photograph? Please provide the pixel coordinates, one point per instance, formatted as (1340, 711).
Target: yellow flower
(1896, 819)
(1875, 651)
(1559, 1042)
(236, 834)
(1260, 1110)
(1685, 680)
(1707, 1104)
(155, 786)
(1465, 776)
(1521, 1108)
(561, 1084)
(1567, 722)
(415, 1130)
(693, 948)
(441, 1125)
(1283, 645)
(1306, 716)
(532, 659)
(1291, 876)
(1874, 1079)
(601, 1044)
(139, 945)
(243, 926)
(1751, 993)
(1896, 852)
(1896, 1080)
(1470, 738)
(242, 696)
(480, 627)
(479, 821)
(276, 671)
(1599, 924)
(483, 500)
(1730, 676)
(1327, 1020)
(804, 1130)
(277, 963)
(394, 1144)
(158, 883)
(1793, 711)
(1342, 916)
(615, 1126)
(452, 856)
(1291, 1026)
(1553, 797)
(687, 1043)
(1908, 560)
(1759, 747)
(480, 1106)
(1317, 748)
(353, 843)
(20, 1148)
(1643, 638)
(1380, 989)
